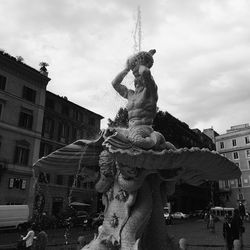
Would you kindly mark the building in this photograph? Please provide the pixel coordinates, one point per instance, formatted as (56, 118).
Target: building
(186, 197)
(33, 123)
(22, 99)
(210, 133)
(235, 145)
(65, 122)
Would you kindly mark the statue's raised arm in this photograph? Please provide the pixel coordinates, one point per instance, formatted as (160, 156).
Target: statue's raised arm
(120, 88)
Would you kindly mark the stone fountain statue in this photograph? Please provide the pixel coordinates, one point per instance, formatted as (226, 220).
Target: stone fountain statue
(138, 168)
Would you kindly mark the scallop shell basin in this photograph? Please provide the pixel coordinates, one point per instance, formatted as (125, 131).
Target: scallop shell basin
(194, 165)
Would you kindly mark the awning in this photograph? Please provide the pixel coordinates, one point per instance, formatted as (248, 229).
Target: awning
(68, 159)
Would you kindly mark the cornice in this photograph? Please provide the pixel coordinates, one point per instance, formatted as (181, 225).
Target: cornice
(23, 101)
(26, 132)
(230, 150)
(23, 71)
(232, 135)
(60, 99)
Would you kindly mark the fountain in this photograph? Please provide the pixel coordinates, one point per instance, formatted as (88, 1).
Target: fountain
(137, 167)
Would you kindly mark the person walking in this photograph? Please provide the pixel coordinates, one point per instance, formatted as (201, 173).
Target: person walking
(237, 226)
(41, 240)
(242, 211)
(81, 241)
(29, 237)
(227, 232)
(211, 223)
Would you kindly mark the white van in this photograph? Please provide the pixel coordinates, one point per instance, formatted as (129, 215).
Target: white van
(222, 211)
(11, 216)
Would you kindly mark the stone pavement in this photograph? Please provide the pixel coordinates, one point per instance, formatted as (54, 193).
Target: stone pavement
(196, 233)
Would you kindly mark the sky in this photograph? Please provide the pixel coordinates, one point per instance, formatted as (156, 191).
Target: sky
(202, 60)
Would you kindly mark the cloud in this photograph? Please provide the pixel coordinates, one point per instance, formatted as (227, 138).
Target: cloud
(201, 65)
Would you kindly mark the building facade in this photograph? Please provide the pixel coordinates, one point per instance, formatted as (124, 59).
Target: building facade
(33, 123)
(65, 122)
(235, 145)
(186, 197)
(22, 99)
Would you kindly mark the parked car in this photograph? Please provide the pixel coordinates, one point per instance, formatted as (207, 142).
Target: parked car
(180, 215)
(79, 219)
(14, 216)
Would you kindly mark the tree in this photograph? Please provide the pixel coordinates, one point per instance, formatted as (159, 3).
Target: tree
(43, 66)
(120, 120)
(19, 59)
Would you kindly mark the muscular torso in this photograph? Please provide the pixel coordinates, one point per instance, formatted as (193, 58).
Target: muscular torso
(142, 102)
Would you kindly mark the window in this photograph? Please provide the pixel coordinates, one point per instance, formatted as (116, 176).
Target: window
(76, 115)
(17, 183)
(247, 139)
(248, 164)
(65, 110)
(59, 179)
(63, 132)
(74, 133)
(48, 127)
(45, 149)
(44, 178)
(2, 104)
(49, 103)
(78, 182)
(21, 156)
(26, 119)
(248, 153)
(70, 180)
(23, 185)
(92, 121)
(241, 197)
(29, 94)
(2, 82)
(234, 142)
(47, 178)
(22, 153)
(235, 155)
(221, 144)
(226, 184)
(239, 182)
(1, 109)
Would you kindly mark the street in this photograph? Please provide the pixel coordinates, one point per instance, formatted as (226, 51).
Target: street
(193, 230)
(8, 239)
(196, 233)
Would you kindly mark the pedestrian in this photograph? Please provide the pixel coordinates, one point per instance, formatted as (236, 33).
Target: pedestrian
(211, 223)
(242, 211)
(227, 232)
(29, 237)
(81, 241)
(206, 219)
(237, 227)
(41, 240)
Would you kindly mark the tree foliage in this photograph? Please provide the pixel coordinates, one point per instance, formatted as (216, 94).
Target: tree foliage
(174, 130)
(120, 120)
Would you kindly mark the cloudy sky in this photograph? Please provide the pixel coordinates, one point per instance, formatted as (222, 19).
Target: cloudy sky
(202, 64)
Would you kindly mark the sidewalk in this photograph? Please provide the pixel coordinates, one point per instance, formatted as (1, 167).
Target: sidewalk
(196, 233)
